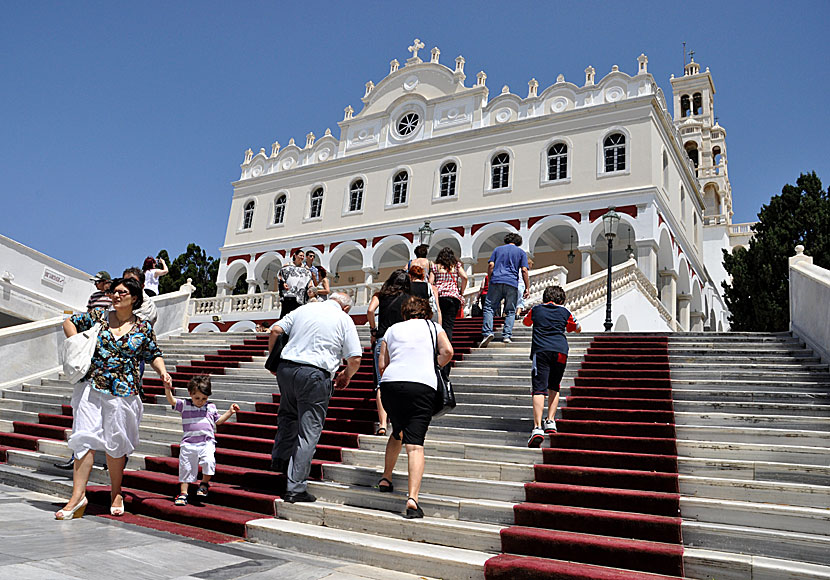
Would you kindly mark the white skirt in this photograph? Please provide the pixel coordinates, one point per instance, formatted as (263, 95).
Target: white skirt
(103, 422)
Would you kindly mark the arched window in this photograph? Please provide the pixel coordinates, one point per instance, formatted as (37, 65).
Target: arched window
(557, 161)
(356, 195)
(697, 104)
(665, 172)
(400, 187)
(682, 204)
(685, 106)
(449, 176)
(614, 149)
(279, 210)
(316, 207)
(500, 171)
(248, 216)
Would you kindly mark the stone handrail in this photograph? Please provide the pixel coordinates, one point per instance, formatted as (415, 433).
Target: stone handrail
(30, 350)
(269, 301)
(588, 294)
(809, 296)
(539, 280)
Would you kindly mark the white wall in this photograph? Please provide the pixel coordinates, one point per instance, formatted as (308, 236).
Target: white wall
(715, 240)
(28, 351)
(809, 297)
(34, 286)
(639, 313)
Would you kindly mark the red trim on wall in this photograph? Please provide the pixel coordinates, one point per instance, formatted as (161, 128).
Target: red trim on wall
(533, 220)
(476, 227)
(660, 219)
(258, 254)
(458, 229)
(597, 213)
(334, 245)
(575, 215)
(231, 259)
(409, 236)
(320, 247)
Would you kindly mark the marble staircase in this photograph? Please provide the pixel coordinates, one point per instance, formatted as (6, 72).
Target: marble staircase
(752, 423)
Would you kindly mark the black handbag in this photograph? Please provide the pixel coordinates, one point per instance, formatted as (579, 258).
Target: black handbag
(444, 395)
(272, 363)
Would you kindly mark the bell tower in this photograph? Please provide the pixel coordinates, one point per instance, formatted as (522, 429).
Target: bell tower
(704, 139)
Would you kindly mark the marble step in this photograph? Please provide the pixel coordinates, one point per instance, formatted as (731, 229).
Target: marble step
(446, 466)
(757, 435)
(468, 488)
(744, 492)
(392, 553)
(488, 511)
(794, 422)
(475, 448)
(754, 541)
(770, 471)
(714, 563)
(468, 535)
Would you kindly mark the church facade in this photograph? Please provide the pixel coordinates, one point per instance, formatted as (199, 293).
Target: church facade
(427, 146)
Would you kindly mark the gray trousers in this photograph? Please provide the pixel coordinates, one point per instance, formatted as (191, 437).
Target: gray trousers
(304, 400)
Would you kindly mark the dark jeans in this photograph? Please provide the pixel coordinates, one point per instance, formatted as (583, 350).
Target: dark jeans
(304, 401)
(449, 310)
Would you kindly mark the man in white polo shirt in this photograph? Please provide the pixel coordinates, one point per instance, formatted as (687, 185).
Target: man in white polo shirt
(320, 336)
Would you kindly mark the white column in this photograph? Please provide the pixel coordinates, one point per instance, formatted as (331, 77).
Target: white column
(647, 259)
(668, 292)
(587, 252)
(252, 284)
(468, 262)
(222, 288)
(696, 319)
(683, 310)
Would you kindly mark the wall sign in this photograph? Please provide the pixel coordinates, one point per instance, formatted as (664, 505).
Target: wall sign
(54, 278)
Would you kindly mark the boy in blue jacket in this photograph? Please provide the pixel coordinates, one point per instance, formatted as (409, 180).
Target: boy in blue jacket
(549, 353)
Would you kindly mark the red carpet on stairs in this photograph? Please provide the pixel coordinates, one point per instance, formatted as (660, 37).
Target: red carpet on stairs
(604, 504)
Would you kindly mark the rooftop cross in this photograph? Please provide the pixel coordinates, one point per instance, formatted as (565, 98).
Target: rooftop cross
(416, 46)
(691, 55)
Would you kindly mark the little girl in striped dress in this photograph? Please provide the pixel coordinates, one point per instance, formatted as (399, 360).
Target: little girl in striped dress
(199, 420)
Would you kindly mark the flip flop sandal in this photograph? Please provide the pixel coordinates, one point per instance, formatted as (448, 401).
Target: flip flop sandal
(203, 490)
(181, 499)
(381, 431)
(385, 488)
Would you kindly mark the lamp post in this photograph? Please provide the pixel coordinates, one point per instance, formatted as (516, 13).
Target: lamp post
(610, 221)
(425, 233)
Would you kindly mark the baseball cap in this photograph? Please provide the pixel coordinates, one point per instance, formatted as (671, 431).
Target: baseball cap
(101, 276)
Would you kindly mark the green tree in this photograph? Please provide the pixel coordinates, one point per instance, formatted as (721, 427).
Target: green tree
(758, 297)
(195, 264)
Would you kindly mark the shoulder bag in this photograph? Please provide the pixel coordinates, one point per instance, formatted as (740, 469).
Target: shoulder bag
(75, 354)
(444, 395)
(272, 363)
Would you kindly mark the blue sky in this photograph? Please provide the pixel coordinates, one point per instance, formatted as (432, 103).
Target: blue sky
(124, 123)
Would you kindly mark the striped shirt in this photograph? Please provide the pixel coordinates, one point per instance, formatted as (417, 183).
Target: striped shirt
(198, 423)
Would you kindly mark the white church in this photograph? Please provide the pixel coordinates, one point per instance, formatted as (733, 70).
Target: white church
(429, 151)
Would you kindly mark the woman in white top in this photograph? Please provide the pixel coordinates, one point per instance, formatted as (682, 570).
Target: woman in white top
(152, 275)
(408, 385)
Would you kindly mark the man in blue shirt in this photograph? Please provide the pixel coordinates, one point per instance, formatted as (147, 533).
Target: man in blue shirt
(506, 264)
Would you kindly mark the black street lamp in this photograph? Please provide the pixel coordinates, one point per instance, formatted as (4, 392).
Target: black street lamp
(610, 221)
(425, 233)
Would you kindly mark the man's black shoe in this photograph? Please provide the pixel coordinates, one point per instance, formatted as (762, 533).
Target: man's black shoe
(67, 464)
(298, 497)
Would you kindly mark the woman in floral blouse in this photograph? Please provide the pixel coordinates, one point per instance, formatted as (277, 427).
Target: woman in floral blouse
(107, 404)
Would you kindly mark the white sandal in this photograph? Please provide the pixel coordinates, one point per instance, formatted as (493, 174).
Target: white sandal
(75, 512)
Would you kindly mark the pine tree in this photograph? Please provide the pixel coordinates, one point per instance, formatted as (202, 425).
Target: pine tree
(195, 264)
(758, 298)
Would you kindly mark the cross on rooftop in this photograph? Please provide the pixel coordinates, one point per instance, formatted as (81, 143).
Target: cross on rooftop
(416, 46)
(692, 54)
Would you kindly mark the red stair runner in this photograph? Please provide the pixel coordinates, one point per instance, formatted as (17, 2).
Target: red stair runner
(604, 504)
